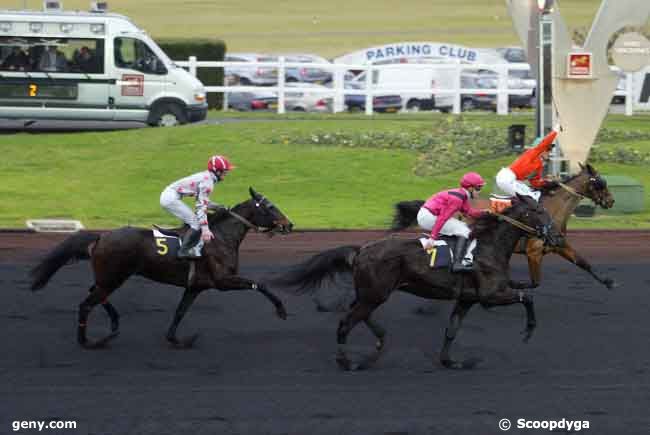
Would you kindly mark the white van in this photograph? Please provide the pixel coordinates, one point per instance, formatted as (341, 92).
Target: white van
(419, 77)
(90, 66)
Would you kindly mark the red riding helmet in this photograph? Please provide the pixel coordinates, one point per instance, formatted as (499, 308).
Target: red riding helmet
(219, 163)
(472, 179)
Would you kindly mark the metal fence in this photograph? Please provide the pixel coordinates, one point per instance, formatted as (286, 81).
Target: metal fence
(338, 91)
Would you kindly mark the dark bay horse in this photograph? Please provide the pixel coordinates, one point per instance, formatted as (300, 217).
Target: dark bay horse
(390, 264)
(118, 254)
(561, 199)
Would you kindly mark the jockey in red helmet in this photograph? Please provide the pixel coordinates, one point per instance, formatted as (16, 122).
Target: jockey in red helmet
(200, 186)
(528, 166)
(436, 216)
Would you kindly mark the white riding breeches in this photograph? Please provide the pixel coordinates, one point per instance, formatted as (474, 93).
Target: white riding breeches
(453, 227)
(508, 183)
(171, 201)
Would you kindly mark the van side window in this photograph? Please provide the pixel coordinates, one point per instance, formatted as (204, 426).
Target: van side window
(134, 54)
(52, 55)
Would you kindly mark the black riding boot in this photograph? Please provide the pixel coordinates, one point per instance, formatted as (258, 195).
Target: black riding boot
(459, 255)
(189, 240)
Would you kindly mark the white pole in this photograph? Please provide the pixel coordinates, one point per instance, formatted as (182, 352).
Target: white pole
(369, 89)
(502, 96)
(458, 70)
(629, 95)
(281, 73)
(339, 85)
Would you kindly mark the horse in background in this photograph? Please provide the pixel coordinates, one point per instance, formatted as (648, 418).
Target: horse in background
(560, 199)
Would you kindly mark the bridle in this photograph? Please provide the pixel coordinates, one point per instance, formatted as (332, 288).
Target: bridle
(258, 229)
(597, 183)
(249, 224)
(514, 222)
(571, 190)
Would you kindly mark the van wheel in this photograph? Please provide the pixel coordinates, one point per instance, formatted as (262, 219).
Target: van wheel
(413, 106)
(167, 115)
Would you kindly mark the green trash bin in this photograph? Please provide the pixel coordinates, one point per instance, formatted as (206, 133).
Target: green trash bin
(628, 195)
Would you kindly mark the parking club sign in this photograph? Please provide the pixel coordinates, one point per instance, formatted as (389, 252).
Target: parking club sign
(579, 66)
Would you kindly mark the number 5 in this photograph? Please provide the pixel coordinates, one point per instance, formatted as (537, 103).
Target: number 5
(162, 244)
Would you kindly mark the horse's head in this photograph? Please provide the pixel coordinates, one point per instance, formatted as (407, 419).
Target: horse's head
(594, 187)
(265, 214)
(533, 214)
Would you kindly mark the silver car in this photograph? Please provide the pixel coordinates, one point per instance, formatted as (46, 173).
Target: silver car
(307, 74)
(299, 101)
(250, 75)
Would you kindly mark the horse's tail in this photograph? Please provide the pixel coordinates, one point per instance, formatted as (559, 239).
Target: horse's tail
(72, 248)
(308, 276)
(406, 214)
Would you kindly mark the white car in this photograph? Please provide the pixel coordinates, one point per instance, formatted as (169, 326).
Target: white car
(299, 101)
(257, 75)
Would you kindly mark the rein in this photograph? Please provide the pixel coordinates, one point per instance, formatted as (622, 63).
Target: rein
(516, 223)
(248, 223)
(571, 190)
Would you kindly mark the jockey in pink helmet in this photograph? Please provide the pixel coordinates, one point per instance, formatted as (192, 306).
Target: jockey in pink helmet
(200, 186)
(436, 215)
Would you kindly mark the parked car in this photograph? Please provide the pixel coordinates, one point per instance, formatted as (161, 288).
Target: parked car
(247, 101)
(299, 101)
(380, 103)
(250, 75)
(417, 78)
(620, 86)
(486, 79)
(307, 74)
(476, 80)
(513, 54)
(521, 79)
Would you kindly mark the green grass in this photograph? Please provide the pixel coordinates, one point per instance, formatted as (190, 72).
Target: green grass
(329, 28)
(109, 179)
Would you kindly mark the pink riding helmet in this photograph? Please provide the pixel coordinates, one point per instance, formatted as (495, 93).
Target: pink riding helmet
(472, 179)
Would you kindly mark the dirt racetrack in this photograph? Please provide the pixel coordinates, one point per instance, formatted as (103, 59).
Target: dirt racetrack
(252, 373)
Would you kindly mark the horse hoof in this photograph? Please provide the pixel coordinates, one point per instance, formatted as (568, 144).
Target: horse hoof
(471, 363)
(467, 364)
(527, 333)
(281, 313)
(343, 363)
(184, 343)
(450, 364)
(100, 344)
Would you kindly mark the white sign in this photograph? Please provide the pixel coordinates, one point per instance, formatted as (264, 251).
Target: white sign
(404, 51)
(631, 52)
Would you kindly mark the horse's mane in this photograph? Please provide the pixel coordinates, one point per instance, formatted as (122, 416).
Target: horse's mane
(487, 222)
(549, 188)
(484, 224)
(217, 215)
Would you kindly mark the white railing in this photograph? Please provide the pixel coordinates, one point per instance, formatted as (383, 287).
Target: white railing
(338, 90)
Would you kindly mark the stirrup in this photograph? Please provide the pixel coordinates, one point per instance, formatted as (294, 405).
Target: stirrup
(461, 267)
(187, 254)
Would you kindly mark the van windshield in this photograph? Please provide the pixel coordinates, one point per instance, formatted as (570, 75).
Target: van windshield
(52, 55)
(131, 53)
